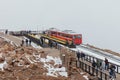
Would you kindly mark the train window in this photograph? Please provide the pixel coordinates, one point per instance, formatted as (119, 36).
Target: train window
(64, 35)
(59, 34)
(69, 36)
(76, 36)
(52, 32)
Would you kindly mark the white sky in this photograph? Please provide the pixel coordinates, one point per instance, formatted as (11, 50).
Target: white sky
(97, 20)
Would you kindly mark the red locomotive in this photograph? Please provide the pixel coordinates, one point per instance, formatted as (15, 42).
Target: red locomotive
(66, 37)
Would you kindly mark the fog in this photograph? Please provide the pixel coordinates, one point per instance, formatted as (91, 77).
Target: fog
(97, 20)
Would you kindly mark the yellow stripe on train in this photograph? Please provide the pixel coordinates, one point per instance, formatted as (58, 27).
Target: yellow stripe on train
(53, 38)
(58, 38)
(33, 36)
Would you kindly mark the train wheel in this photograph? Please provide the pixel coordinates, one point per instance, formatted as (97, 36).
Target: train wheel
(72, 45)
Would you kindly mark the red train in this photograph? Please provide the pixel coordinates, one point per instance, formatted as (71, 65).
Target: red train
(66, 37)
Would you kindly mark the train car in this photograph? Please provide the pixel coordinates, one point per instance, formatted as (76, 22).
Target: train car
(66, 37)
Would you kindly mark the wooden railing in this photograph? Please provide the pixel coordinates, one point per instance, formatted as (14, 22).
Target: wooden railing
(92, 71)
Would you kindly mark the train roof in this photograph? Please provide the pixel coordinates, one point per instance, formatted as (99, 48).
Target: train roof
(65, 31)
(69, 32)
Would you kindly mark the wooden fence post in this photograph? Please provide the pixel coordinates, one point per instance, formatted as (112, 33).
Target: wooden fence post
(105, 76)
(80, 64)
(96, 71)
(89, 70)
(117, 70)
(86, 67)
(101, 75)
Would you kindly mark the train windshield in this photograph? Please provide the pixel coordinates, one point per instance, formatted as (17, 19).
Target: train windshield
(77, 36)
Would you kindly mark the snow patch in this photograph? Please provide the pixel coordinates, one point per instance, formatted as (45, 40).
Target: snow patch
(86, 77)
(82, 73)
(2, 65)
(35, 45)
(54, 71)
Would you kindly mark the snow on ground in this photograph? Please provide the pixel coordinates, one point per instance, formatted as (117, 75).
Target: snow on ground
(96, 55)
(54, 71)
(105, 53)
(86, 77)
(2, 65)
(35, 45)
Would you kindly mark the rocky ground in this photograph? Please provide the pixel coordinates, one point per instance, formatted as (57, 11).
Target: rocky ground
(28, 63)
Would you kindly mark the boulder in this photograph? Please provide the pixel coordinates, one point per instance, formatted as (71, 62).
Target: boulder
(2, 59)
